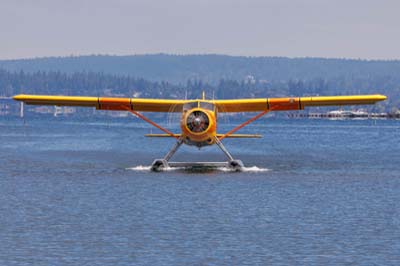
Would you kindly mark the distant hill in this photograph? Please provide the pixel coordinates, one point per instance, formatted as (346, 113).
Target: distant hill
(174, 76)
(100, 84)
(178, 69)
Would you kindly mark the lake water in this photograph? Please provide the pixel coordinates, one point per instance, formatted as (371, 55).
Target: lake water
(318, 192)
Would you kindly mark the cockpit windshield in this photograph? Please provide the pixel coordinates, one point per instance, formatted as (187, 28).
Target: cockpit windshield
(190, 105)
(204, 105)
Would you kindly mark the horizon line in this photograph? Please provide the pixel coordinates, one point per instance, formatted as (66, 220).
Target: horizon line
(194, 54)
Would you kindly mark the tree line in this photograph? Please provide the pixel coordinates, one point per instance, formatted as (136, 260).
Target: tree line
(101, 84)
(210, 68)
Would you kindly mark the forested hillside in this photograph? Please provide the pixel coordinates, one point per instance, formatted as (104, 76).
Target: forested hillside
(212, 68)
(100, 84)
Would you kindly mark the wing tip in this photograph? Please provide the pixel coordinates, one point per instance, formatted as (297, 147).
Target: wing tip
(381, 97)
(19, 97)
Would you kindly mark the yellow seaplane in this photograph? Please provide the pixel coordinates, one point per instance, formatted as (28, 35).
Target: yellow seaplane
(199, 117)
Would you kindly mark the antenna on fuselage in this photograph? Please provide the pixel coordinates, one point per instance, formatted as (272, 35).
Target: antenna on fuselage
(204, 95)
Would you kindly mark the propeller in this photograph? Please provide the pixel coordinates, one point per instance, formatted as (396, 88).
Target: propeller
(197, 121)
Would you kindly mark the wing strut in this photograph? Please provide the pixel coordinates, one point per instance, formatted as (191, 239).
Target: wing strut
(243, 125)
(151, 122)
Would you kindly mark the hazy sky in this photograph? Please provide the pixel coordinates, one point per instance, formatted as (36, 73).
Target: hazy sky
(367, 29)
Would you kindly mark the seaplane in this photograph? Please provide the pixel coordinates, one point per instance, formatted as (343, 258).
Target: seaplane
(198, 122)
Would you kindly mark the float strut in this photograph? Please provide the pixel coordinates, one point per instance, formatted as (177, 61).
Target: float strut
(160, 164)
(222, 147)
(178, 143)
(236, 165)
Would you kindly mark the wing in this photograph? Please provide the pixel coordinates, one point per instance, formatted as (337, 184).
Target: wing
(293, 103)
(164, 105)
(104, 103)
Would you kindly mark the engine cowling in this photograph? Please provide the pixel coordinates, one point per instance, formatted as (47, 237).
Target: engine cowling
(198, 126)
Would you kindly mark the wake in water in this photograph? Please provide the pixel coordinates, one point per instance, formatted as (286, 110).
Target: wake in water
(252, 169)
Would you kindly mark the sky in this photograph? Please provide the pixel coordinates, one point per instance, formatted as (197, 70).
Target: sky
(366, 29)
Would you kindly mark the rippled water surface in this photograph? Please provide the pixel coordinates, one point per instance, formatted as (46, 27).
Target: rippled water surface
(317, 192)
